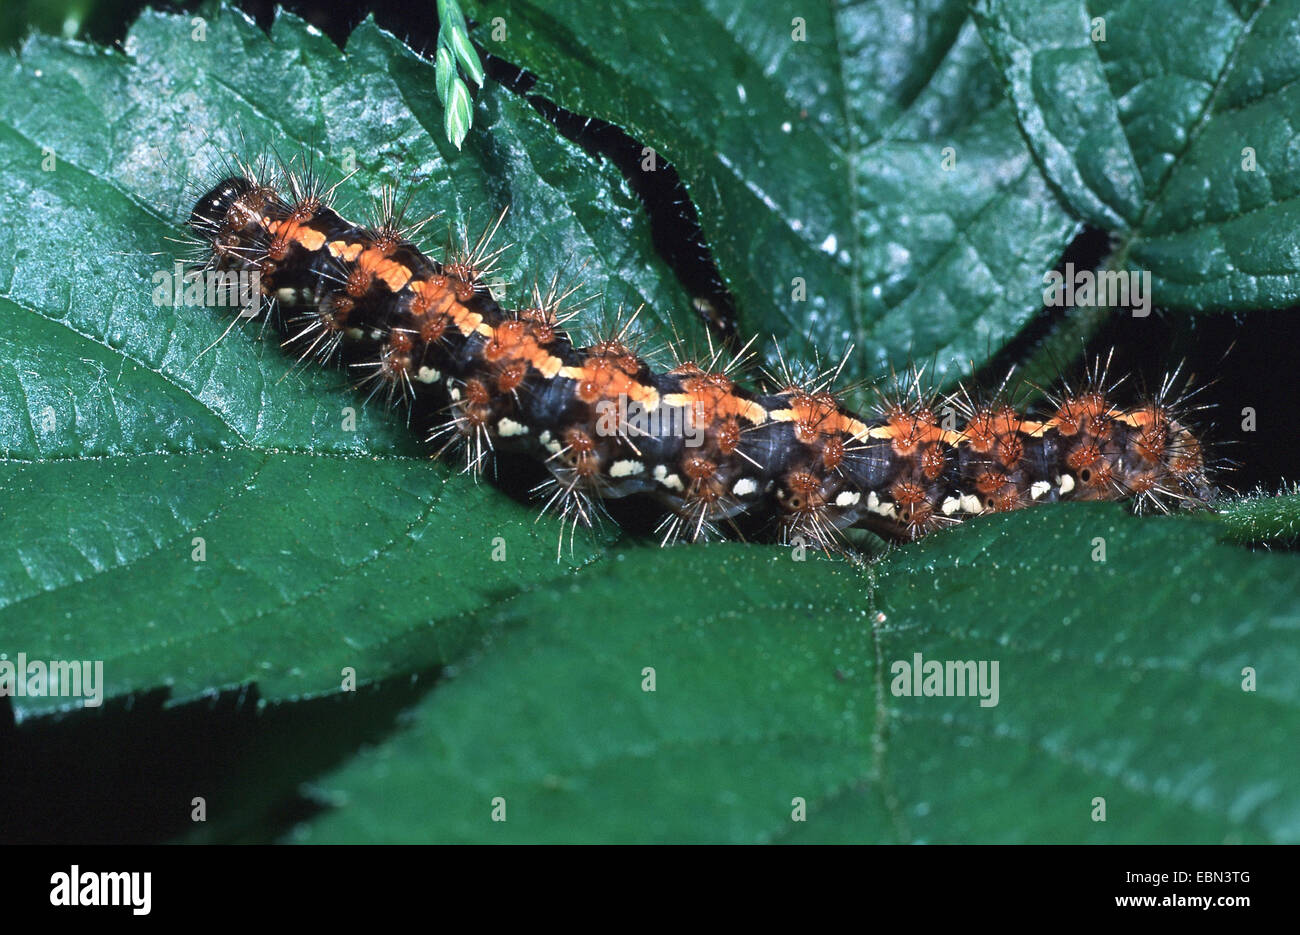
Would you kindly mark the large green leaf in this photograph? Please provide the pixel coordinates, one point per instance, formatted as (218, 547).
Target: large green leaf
(813, 141)
(1120, 679)
(1175, 131)
(124, 438)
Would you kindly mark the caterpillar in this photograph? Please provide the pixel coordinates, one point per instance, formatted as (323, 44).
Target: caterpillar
(786, 461)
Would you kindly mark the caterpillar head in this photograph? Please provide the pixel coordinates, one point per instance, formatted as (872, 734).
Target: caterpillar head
(211, 211)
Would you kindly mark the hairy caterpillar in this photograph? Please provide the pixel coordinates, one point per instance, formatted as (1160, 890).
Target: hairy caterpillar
(787, 461)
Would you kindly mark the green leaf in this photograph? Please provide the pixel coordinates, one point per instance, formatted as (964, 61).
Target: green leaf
(1175, 132)
(130, 430)
(865, 150)
(1263, 518)
(1119, 679)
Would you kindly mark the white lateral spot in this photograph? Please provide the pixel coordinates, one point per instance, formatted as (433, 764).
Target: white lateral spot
(847, 498)
(950, 506)
(428, 375)
(354, 334)
(508, 428)
(971, 503)
(455, 393)
(883, 509)
(626, 468)
(671, 481)
(553, 446)
(1038, 488)
(744, 487)
(545, 437)
(1067, 483)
